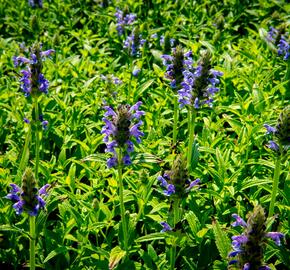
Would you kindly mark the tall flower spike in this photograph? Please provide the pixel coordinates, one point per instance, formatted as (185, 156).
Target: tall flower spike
(279, 39)
(281, 132)
(176, 181)
(121, 126)
(123, 19)
(249, 246)
(33, 81)
(199, 84)
(175, 65)
(28, 198)
(134, 42)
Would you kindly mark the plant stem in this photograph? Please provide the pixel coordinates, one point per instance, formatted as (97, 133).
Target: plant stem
(176, 217)
(32, 242)
(37, 140)
(121, 198)
(191, 116)
(287, 78)
(25, 153)
(175, 119)
(275, 185)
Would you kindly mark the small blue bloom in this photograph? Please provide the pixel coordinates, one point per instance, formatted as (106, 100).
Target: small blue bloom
(239, 221)
(165, 226)
(276, 236)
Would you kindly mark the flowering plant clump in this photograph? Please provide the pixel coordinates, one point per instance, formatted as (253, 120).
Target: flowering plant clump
(134, 42)
(177, 180)
(28, 198)
(123, 19)
(176, 64)
(199, 84)
(248, 247)
(34, 3)
(33, 81)
(281, 132)
(278, 38)
(121, 126)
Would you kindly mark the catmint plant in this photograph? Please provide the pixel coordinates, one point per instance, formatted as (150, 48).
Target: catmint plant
(34, 84)
(124, 18)
(281, 40)
(175, 66)
(34, 3)
(280, 145)
(176, 185)
(120, 130)
(29, 199)
(248, 248)
(134, 43)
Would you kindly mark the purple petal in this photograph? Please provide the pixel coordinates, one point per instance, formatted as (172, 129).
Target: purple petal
(276, 236)
(42, 191)
(165, 226)
(239, 221)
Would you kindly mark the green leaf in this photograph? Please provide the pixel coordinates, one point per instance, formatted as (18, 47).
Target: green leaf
(151, 237)
(54, 253)
(115, 256)
(222, 241)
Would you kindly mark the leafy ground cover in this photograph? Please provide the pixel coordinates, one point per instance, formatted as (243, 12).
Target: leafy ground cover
(151, 135)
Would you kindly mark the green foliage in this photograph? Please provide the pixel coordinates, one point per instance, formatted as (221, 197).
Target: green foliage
(80, 227)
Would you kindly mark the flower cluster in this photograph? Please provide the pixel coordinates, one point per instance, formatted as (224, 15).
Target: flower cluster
(134, 42)
(34, 3)
(111, 79)
(123, 19)
(27, 198)
(281, 132)
(176, 181)
(44, 123)
(248, 247)
(176, 64)
(199, 84)
(121, 126)
(33, 81)
(279, 39)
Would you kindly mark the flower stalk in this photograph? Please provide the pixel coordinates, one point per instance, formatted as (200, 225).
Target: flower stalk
(121, 198)
(32, 242)
(275, 185)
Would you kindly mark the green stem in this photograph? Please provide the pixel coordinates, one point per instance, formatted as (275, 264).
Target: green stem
(37, 140)
(25, 153)
(191, 137)
(121, 197)
(32, 242)
(275, 185)
(172, 256)
(175, 119)
(176, 217)
(287, 78)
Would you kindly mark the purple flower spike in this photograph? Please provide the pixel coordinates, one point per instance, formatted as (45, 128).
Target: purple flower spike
(165, 226)
(120, 129)
(276, 236)
(239, 221)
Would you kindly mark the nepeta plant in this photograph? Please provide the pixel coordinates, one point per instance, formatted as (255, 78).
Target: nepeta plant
(176, 184)
(134, 42)
(124, 18)
(281, 144)
(30, 200)
(248, 248)
(120, 128)
(279, 39)
(199, 84)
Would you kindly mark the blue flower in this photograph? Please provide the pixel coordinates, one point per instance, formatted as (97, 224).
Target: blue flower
(134, 43)
(165, 226)
(32, 80)
(21, 204)
(120, 128)
(124, 20)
